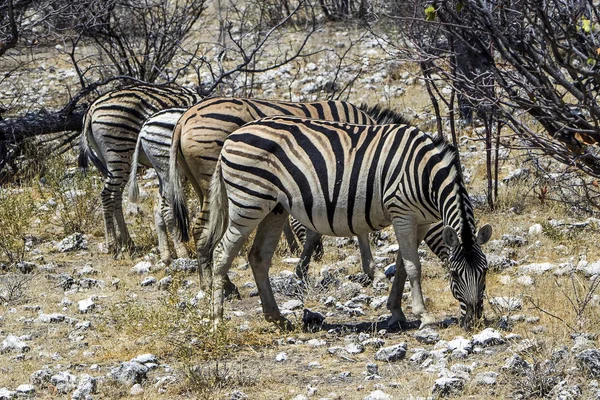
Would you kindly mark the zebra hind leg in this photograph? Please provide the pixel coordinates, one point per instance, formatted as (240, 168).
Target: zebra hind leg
(161, 230)
(312, 239)
(260, 257)
(167, 216)
(110, 232)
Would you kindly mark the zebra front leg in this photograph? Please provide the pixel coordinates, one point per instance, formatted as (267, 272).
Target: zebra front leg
(161, 230)
(167, 216)
(394, 302)
(312, 239)
(409, 235)
(260, 257)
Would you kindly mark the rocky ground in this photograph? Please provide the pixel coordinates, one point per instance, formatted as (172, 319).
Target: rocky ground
(77, 323)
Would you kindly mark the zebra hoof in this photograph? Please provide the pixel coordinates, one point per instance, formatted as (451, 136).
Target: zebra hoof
(427, 319)
(397, 320)
(231, 291)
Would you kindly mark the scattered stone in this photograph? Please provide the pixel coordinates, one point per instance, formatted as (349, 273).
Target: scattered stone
(73, 242)
(316, 343)
(516, 365)
(141, 268)
(165, 282)
(486, 378)
(88, 283)
(86, 305)
(535, 229)
(281, 357)
(41, 376)
(238, 395)
(536, 268)
(145, 359)
(86, 270)
(390, 271)
(149, 281)
(499, 262)
(13, 343)
(136, 390)
(292, 305)
(372, 369)
(525, 280)
(427, 336)
(507, 303)
(185, 265)
(589, 360)
(129, 373)
(85, 388)
(25, 389)
(447, 386)
(26, 267)
(354, 348)
(460, 343)
(286, 283)
(6, 394)
(378, 395)
(590, 269)
(488, 337)
(514, 240)
(64, 382)
(419, 356)
(51, 318)
(516, 175)
(391, 353)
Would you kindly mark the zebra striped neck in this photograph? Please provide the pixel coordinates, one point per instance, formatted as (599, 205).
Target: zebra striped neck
(449, 193)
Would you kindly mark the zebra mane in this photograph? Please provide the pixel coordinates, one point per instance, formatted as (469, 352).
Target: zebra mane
(449, 153)
(384, 116)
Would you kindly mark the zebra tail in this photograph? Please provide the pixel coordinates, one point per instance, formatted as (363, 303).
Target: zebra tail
(85, 151)
(176, 193)
(219, 209)
(134, 191)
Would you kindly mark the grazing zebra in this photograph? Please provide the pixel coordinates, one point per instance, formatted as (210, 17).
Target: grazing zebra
(153, 144)
(110, 130)
(197, 142)
(341, 180)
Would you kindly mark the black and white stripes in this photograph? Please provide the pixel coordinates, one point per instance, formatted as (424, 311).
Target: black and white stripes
(343, 179)
(109, 137)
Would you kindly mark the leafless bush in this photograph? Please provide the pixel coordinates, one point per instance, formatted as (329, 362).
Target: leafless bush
(13, 288)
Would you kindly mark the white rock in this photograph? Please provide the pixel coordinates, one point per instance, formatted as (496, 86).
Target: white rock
(486, 378)
(507, 303)
(460, 343)
(85, 388)
(378, 395)
(488, 337)
(86, 305)
(143, 267)
(292, 305)
(64, 382)
(536, 268)
(6, 394)
(591, 269)
(136, 390)
(316, 343)
(525, 280)
(145, 359)
(12, 342)
(26, 389)
(355, 348)
(281, 357)
(536, 229)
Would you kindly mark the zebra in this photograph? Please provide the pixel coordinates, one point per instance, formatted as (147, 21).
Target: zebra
(344, 179)
(153, 144)
(110, 129)
(197, 142)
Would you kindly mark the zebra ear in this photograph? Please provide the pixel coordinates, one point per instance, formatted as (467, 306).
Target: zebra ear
(450, 237)
(484, 234)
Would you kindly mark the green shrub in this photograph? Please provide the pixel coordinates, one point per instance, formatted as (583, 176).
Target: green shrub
(16, 212)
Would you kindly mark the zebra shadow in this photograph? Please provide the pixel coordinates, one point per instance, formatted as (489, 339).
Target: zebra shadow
(315, 322)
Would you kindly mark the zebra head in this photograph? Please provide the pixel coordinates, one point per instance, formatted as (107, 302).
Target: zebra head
(468, 267)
